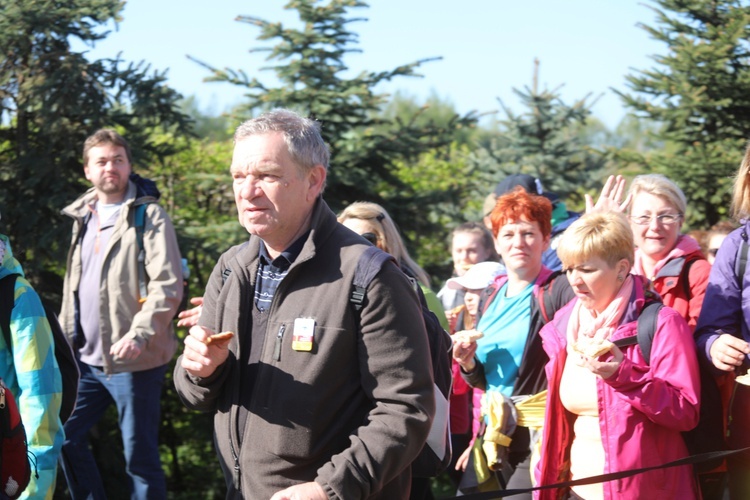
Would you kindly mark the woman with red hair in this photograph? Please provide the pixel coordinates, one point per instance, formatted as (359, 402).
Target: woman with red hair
(508, 361)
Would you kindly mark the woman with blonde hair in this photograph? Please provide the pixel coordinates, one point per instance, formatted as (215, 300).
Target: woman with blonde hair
(616, 411)
(373, 223)
(673, 262)
(723, 331)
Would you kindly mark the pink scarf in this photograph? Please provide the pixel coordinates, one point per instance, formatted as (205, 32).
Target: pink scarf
(584, 324)
(685, 245)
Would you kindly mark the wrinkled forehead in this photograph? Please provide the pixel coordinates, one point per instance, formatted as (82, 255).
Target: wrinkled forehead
(261, 151)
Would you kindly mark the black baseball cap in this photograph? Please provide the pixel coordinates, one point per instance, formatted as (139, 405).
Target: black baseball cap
(530, 184)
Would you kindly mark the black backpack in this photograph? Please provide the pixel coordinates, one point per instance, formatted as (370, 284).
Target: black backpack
(708, 435)
(436, 453)
(63, 352)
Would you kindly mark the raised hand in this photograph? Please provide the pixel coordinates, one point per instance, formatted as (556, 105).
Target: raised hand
(610, 199)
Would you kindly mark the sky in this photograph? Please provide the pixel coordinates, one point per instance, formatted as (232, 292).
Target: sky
(488, 47)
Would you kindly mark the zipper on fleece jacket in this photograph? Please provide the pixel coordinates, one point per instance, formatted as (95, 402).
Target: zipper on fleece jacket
(233, 427)
(236, 471)
(277, 345)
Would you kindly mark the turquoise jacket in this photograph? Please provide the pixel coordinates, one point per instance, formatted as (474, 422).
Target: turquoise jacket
(32, 374)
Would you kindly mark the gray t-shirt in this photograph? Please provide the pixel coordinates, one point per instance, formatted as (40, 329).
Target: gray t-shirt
(93, 248)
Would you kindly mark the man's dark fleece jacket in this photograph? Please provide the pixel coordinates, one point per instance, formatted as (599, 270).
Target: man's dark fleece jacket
(352, 413)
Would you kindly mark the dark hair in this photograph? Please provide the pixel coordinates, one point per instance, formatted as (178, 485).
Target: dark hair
(105, 136)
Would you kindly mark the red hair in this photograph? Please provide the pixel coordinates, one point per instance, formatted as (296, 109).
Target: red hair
(518, 205)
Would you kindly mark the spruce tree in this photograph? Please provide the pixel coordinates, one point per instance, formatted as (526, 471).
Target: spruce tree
(367, 146)
(546, 141)
(699, 94)
(51, 99)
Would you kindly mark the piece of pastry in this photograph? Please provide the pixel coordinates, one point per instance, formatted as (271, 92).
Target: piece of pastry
(219, 338)
(467, 336)
(592, 348)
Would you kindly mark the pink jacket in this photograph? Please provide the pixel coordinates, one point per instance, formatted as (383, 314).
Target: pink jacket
(642, 409)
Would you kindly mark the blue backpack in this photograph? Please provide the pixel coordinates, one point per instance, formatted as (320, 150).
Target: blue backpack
(147, 187)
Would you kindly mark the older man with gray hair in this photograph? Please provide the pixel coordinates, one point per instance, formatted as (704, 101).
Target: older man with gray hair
(312, 399)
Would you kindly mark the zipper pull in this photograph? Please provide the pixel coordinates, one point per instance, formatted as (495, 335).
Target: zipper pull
(237, 473)
(277, 347)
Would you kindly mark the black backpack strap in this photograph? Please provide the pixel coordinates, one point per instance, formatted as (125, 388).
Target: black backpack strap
(647, 327)
(368, 266)
(544, 299)
(552, 296)
(7, 300)
(139, 221)
(225, 275)
(740, 262)
(647, 321)
(226, 272)
(685, 276)
(484, 297)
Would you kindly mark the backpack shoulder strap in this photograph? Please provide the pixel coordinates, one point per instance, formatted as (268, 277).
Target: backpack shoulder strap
(368, 266)
(646, 328)
(139, 220)
(685, 275)
(740, 262)
(550, 296)
(226, 272)
(544, 299)
(488, 295)
(7, 300)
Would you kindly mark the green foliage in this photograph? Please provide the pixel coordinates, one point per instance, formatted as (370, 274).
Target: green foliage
(207, 125)
(368, 146)
(197, 192)
(51, 99)
(434, 110)
(700, 94)
(448, 172)
(545, 141)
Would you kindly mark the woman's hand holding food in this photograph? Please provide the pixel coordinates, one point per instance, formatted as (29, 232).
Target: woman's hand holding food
(464, 348)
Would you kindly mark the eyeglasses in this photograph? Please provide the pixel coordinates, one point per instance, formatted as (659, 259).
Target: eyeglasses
(371, 237)
(665, 219)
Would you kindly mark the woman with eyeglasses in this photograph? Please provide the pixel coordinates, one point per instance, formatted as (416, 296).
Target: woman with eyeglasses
(673, 262)
(676, 267)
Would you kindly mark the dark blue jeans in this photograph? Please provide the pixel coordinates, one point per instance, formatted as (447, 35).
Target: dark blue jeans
(137, 396)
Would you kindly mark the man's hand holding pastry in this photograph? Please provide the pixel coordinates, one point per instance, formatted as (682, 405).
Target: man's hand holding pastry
(205, 351)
